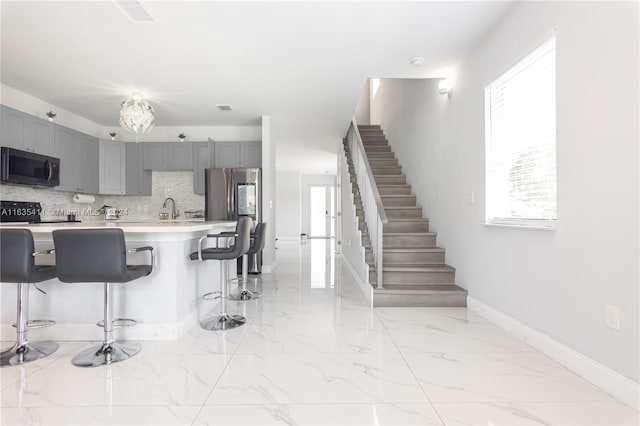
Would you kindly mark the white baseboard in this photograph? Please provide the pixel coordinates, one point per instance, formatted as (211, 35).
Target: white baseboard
(91, 332)
(617, 385)
(366, 288)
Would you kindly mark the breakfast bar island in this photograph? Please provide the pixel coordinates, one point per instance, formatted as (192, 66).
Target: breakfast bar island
(165, 304)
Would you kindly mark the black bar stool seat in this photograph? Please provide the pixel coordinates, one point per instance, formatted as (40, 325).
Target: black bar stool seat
(241, 242)
(100, 255)
(17, 265)
(258, 239)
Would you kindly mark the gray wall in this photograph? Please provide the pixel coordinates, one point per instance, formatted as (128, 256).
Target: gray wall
(553, 281)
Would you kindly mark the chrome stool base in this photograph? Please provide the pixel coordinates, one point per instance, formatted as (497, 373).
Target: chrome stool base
(223, 322)
(28, 352)
(244, 295)
(106, 354)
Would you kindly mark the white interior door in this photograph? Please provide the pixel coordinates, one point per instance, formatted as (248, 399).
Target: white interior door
(322, 211)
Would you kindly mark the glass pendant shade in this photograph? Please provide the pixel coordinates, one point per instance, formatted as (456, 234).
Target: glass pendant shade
(136, 115)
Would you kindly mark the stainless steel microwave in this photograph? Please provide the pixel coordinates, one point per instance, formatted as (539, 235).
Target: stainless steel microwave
(28, 168)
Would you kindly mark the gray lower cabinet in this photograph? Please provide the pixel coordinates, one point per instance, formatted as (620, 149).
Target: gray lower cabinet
(238, 154)
(26, 132)
(79, 161)
(138, 180)
(203, 158)
(167, 156)
(112, 167)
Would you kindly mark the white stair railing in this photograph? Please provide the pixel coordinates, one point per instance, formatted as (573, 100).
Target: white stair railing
(374, 215)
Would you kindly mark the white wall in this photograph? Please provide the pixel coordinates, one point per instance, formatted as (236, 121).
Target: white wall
(362, 113)
(31, 105)
(553, 281)
(352, 251)
(193, 133)
(35, 106)
(288, 205)
(269, 191)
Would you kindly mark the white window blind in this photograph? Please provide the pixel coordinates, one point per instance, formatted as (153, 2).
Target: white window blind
(520, 114)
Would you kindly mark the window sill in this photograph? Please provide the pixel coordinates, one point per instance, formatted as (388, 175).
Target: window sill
(549, 227)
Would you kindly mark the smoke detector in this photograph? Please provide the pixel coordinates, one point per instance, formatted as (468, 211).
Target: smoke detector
(224, 107)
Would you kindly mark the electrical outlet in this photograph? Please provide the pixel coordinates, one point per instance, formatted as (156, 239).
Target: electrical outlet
(472, 198)
(612, 316)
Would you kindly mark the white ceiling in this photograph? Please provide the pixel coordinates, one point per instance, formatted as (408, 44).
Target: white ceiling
(303, 63)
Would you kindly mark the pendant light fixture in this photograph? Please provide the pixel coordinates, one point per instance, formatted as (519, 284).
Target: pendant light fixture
(136, 115)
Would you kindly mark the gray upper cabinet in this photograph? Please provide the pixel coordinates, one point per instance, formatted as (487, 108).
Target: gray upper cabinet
(154, 157)
(251, 154)
(238, 154)
(167, 156)
(26, 132)
(65, 149)
(180, 155)
(203, 158)
(227, 154)
(138, 180)
(87, 174)
(112, 167)
(79, 161)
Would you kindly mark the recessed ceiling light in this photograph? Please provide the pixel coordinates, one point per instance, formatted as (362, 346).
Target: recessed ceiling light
(224, 107)
(135, 11)
(417, 62)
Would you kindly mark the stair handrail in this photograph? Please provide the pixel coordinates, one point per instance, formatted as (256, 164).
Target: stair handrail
(374, 213)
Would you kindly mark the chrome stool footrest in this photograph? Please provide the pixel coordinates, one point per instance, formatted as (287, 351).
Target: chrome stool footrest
(119, 323)
(212, 295)
(37, 324)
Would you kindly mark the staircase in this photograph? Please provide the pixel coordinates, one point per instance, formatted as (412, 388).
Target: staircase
(414, 269)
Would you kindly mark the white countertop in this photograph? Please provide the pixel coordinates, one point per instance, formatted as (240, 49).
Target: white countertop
(142, 226)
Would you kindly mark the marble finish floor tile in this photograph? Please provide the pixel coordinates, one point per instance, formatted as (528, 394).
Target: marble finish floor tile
(543, 413)
(319, 414)
(317, 378)
(313, 352)
(104, 415)
(142, 380)
(464, 337)
(264, 338)
(13, 374)
(486, 377)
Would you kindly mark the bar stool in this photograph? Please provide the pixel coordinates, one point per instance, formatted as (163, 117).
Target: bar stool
(100, 255)
(258, 239)
(17, 265)
(241, 238)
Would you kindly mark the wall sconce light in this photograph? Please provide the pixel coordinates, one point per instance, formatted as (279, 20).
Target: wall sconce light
(113, 135)
(445, 87)
(51, 115)
(182, 137)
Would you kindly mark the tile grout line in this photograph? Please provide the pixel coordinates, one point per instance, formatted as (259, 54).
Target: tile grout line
(409, 367)
(229, 360)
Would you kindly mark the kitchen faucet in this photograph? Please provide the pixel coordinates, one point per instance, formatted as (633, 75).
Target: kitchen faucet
(174, 212)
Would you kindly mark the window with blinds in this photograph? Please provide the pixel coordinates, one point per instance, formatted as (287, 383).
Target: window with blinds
(520, 115)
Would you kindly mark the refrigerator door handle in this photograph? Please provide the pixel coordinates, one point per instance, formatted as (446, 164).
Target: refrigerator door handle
(231, 211)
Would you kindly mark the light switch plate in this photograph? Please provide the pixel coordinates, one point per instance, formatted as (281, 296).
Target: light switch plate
(612, 317)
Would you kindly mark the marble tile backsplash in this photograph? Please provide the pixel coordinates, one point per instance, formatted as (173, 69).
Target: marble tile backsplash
(56, 205)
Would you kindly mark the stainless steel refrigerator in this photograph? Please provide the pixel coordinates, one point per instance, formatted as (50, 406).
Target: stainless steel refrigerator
(230, 193)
